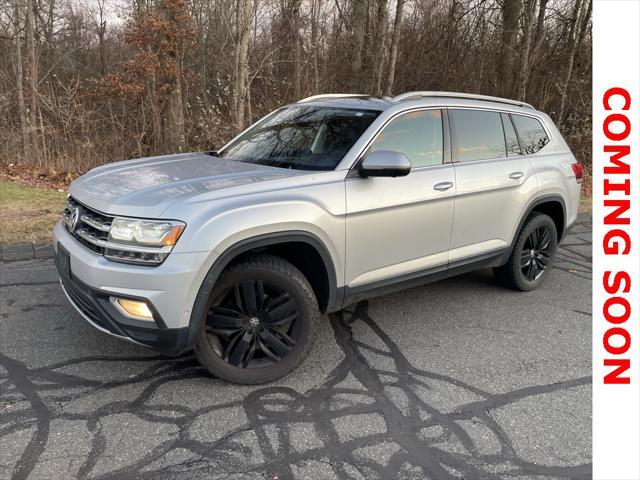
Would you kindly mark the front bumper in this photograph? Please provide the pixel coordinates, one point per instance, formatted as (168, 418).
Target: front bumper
(169, 289)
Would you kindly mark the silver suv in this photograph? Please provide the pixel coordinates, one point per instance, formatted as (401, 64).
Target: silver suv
(324, 202)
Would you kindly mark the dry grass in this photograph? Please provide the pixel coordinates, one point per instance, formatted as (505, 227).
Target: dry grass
(585, 204)
(28, 214)
(585, 195)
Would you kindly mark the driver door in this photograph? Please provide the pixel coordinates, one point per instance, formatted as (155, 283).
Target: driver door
(400, 228)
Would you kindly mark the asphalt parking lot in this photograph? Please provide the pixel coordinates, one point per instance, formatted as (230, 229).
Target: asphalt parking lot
(457, 379)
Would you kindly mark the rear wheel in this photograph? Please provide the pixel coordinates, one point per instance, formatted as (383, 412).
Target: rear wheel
(260, 322)
(532, 254)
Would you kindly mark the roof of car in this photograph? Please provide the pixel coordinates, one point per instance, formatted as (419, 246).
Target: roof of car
(370, 102)
(363, 102)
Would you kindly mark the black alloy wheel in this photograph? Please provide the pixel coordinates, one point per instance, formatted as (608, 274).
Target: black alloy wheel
(255, 323)
(259, 321)
(535, 255)
(532, 254)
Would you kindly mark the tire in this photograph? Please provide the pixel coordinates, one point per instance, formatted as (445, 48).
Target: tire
(260, 321)
(532, 255)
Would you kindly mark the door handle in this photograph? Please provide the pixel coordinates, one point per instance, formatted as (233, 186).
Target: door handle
(443, 186)
(515, 175)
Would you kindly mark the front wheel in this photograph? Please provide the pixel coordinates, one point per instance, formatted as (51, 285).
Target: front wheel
(532, 255)
(260, 322)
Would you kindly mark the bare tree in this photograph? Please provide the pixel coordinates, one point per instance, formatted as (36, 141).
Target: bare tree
(527, 27)
(510, 17)
(358, 21)
(316, 6)
(538, 41)
(296, 46)
(291, 48)
(379, 42)
(450, 34)
(32, 68)
(101, 30)
(395, 40)
(22, 108)
(241, 66)
(579, 22)
(542, 10)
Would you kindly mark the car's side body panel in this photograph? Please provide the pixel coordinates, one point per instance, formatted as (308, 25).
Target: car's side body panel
(552, 167)
(488, 204)
(397, 225)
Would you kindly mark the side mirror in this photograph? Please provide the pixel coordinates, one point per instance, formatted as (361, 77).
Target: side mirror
(385, 163)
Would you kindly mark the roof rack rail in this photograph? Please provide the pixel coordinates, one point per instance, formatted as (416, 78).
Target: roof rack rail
(469, 96)
(333, 95)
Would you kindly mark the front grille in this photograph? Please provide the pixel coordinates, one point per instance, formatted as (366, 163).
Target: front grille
(89, 227)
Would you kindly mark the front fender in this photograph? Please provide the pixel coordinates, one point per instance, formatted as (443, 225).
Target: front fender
(222, 259)
(223, 227)
(217, 231)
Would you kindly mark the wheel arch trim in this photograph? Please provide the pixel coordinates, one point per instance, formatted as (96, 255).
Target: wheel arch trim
(530, 207)
(197, 314)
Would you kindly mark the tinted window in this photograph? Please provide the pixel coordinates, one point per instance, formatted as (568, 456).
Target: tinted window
(513, 146)
(532, 135)
(416, 134)
(304, 137)
(477, 135)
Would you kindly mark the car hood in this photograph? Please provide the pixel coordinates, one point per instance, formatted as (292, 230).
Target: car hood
(148, 186)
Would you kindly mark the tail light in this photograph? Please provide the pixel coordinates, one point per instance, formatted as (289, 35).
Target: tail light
(578, 171)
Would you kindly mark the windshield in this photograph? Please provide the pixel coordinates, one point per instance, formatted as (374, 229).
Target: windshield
(302, 137)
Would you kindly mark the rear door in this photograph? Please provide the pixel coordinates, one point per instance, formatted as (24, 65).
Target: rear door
(494, 182)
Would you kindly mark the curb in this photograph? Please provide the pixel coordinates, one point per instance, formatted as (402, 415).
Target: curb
(25, 251)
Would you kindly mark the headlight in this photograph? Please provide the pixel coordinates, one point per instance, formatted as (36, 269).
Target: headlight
(142, 241)
(154, 233)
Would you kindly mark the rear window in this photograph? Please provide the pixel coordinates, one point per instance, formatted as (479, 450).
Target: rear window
(477, 135)
(513, 145)
(533, 136)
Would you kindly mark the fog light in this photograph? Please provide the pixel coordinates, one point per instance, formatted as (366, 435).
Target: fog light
(133, 308)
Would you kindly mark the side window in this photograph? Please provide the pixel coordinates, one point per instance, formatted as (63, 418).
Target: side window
(533, 136)
(513, 145)
(477, 135)
(416, 134)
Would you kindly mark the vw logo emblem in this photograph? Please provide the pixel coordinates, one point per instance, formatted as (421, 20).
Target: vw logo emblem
(72, 220)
